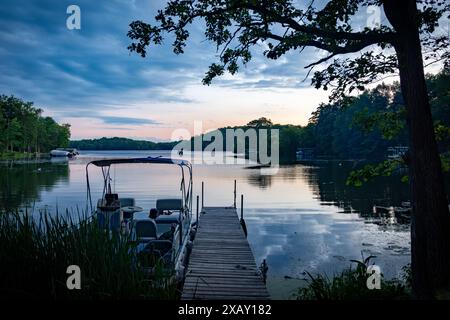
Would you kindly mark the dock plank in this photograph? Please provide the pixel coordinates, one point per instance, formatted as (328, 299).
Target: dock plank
(221, 264)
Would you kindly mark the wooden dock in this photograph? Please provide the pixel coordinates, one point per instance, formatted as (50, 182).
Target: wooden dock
(221, 264)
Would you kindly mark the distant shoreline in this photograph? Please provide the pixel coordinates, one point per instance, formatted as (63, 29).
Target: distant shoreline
(122, 144)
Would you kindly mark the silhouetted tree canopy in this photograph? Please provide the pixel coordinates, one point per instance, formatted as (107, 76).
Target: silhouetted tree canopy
(235, 26)
(261, 122)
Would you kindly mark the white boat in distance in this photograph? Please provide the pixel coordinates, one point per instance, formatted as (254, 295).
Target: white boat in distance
(64, 152)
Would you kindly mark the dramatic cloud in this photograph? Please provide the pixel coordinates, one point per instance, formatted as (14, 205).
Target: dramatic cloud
(87, 77)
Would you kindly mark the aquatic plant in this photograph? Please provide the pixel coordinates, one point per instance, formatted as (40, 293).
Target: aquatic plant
(36, 251)
(350, 284)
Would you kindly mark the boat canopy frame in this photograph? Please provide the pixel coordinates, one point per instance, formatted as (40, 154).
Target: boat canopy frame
(105, 165)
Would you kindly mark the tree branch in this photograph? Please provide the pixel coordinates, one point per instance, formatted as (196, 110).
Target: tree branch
(320, 61)
(330, 34)
(388, 37)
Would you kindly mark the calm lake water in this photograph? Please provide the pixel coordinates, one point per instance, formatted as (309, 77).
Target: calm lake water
(303, 218)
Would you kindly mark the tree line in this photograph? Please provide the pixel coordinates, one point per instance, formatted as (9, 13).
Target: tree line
(24, 129)
(117, 143)
(363, 129)
(374, 121)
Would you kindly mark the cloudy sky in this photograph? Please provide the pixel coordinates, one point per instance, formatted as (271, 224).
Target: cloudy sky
(88, 78)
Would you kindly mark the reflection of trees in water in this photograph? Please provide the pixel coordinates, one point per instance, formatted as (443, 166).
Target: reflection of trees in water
(21, 183)
(286, 173)
(259, 180)
(328, 183)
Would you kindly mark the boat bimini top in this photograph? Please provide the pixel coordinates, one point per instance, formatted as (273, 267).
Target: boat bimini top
(105, 165)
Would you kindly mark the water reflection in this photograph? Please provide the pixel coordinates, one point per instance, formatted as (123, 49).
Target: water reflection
(317, 223)
(329, 185)
(258, 179)
(22, 182)
(301, 218)
(294, 241)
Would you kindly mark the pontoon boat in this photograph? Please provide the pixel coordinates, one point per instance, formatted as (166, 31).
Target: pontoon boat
(167, 232)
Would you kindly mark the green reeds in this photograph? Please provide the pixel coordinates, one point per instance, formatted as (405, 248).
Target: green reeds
(351, 284)
(35, 252)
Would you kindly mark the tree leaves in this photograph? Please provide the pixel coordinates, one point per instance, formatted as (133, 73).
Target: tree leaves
(389, 122)
(347, 75)
(145, 34)
(237, 26)
(368, 172)
(22, 128)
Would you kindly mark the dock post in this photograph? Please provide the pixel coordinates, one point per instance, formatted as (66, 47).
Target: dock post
(203, 195)
(197, 209)
(234, 203)
(242, 206)
(242, 221)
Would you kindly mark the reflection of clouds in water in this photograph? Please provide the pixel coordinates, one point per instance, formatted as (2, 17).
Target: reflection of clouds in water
(297, 241)
(272, 250)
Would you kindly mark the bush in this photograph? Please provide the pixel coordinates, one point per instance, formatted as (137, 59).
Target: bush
(350, 284)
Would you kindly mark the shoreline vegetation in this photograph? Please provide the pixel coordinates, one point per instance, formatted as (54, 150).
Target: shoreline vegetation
(351, 284)
(25, 132)
(43, 246)
(118, 143)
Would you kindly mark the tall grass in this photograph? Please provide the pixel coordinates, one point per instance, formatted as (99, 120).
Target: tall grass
(36, 251)
(351, 284)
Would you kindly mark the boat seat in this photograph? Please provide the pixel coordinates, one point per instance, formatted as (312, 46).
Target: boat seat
(145, 230)
(108, 218)
(169, 204)
(168, 219)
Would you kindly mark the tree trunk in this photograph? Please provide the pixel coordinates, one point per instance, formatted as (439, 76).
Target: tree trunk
(430, 223)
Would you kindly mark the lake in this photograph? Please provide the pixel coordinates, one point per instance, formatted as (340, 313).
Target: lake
(303, 218)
